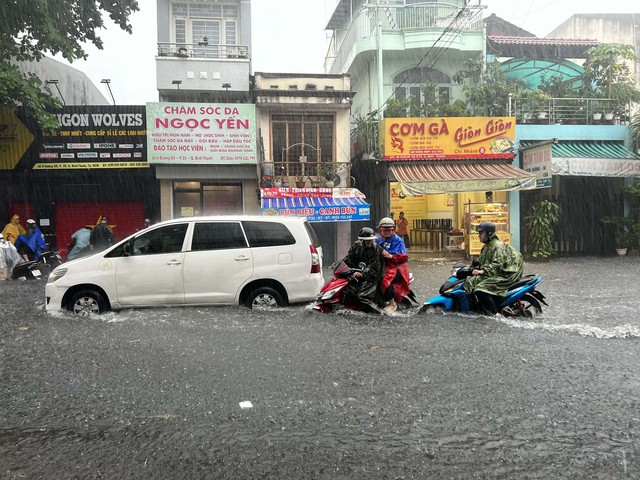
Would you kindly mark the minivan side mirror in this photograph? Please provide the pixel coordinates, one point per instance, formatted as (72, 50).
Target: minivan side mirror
(127, 249)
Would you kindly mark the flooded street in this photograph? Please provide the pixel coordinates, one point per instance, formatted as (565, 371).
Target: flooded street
(156, 393)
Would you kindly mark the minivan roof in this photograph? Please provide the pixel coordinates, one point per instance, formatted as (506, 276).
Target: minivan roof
(235, 218)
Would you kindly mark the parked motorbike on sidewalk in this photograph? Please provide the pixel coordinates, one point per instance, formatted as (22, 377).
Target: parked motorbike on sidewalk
(332, 295)
(522, 299)
(35, 269)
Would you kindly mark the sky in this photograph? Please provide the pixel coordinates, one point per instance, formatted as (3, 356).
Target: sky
(288, 36)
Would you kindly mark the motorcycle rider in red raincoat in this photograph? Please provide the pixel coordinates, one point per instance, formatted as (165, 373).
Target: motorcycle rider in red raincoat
(395, 283)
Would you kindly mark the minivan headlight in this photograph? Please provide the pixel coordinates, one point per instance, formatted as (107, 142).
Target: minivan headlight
(57, 274)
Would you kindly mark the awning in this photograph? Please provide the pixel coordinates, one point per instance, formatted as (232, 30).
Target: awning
(423, 178)
(591, 159)
(325, 209)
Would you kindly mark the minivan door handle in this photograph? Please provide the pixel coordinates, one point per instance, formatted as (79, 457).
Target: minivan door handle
(174, 262)
(242, 258)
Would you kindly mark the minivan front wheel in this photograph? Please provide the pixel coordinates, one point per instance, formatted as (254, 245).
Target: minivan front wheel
(264, 298)
(86, 302)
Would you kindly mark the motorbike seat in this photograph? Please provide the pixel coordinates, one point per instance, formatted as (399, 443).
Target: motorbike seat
(526, 280)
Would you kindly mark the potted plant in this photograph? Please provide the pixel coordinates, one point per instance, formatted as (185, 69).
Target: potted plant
(543, 215)
(330, 173)
(541, 101)
(623, 233)
(300, 181)
(624, 241)
(365, 133)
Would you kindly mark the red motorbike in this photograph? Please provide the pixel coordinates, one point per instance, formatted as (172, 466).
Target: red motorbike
(332, 295)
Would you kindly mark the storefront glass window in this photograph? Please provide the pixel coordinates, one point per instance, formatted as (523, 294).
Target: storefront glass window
(197, 198)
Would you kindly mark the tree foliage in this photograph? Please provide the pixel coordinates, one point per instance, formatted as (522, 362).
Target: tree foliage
(30, 29)
(543, 215)
(487, 88)
(608, 75)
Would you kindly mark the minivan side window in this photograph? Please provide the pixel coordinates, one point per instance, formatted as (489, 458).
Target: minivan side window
(167, 239)
(267, 234)
(217, 236)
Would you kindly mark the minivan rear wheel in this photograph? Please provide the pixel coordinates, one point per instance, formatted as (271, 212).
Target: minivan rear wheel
(264, 298)
(86, 302)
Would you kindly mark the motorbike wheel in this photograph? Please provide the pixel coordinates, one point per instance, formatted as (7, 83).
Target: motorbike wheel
(264, 298)
(527, 307)
(86, 302)
(432, 310)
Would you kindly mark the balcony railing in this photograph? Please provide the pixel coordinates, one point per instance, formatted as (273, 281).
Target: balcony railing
(571, 111)
(202, 50)
(312, 172)
(409, 18)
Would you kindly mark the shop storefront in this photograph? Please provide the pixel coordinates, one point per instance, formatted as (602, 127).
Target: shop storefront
(93, 164)
(449, 175)
(586, 178)
(205, 158)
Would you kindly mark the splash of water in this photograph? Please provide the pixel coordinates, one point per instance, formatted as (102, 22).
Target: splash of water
(619, 331)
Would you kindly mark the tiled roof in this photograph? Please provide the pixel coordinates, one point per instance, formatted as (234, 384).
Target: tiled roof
(543, 41)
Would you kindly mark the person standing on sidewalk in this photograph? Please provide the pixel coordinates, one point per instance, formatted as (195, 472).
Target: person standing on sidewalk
(402, 229)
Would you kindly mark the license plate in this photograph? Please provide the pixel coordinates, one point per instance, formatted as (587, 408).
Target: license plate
(36, 272)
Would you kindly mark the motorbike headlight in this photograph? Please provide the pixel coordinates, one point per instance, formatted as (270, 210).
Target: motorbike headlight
(329, 293)
(57, 274)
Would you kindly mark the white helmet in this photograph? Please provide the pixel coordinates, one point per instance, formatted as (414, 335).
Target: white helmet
(387, 222)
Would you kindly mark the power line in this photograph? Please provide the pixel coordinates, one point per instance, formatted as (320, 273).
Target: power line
(427, 53)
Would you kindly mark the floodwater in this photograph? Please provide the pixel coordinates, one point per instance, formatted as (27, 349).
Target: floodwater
(157, 393)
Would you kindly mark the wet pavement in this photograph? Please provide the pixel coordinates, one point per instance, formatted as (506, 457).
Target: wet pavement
(156, 393)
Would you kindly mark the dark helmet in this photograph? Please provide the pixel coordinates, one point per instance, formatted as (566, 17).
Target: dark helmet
(366, 233)
(488, 227)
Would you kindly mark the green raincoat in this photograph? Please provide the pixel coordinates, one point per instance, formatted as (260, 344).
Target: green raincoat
(502, 265)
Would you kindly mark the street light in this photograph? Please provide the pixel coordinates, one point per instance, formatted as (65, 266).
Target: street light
(107, 82)
(177, 82)
(55, 82)
(226, 86)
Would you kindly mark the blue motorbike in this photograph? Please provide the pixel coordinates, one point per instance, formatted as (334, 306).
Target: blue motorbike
(522, 299)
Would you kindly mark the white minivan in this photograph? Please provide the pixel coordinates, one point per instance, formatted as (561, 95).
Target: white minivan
(256, 261)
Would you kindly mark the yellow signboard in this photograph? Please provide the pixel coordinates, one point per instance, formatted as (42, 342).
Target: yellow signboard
(414, 206)
(475, 245)
(15, 139)
(451, 138)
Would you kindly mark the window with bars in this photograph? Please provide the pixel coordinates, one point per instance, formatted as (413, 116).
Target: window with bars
(296, 136)
(408, 85)
(205, 24)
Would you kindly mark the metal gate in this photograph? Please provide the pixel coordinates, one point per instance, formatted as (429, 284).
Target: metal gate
(583, 202)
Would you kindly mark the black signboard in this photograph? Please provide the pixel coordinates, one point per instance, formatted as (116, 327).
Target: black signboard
(90, 137)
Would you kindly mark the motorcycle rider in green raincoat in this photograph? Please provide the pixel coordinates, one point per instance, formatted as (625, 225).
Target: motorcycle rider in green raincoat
(499, 266)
